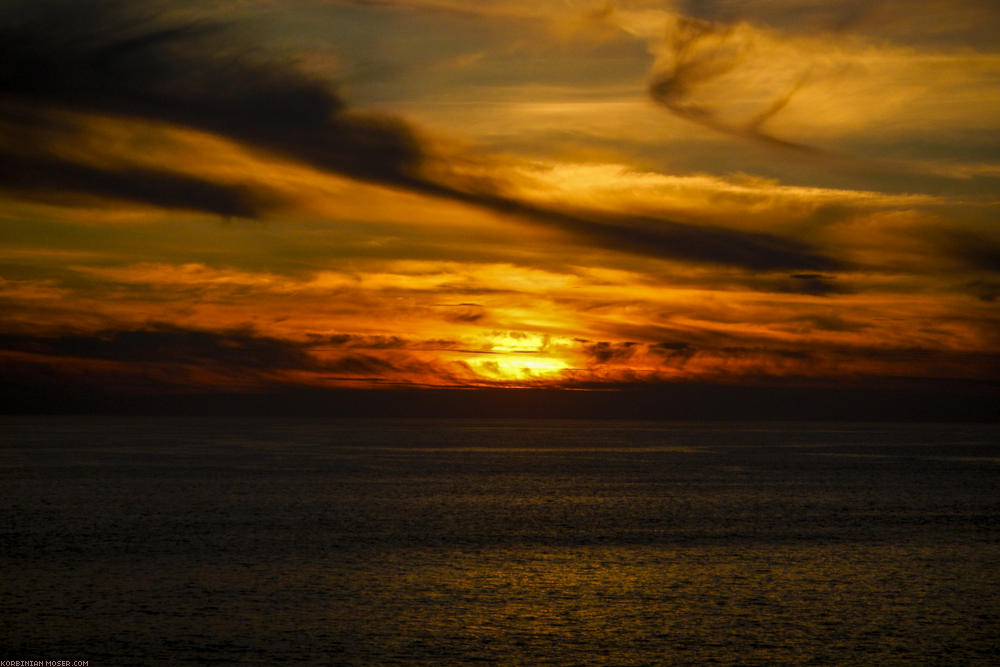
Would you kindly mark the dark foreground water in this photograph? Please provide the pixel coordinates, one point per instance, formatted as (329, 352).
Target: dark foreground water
(174, 541)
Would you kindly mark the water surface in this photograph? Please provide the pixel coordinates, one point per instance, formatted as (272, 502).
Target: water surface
(267, 541)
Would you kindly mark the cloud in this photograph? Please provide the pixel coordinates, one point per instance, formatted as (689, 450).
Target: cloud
(359, 364)
(375, 342)
(160, 356)
(466, 313)
(106, 61)
(46, 177)
(701, 52)
(751, 250)
(603, 351)
(929, 22)
(97, 58)
(160, 343)
(977, 250)
(829, 73)
(94, 57)
(812, 283)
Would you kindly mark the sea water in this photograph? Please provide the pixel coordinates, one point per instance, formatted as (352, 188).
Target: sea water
(268, 541)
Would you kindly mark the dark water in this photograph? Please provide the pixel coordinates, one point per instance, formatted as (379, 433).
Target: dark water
(132, 541)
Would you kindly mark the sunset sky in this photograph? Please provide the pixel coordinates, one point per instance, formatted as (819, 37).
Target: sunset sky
(260, 196)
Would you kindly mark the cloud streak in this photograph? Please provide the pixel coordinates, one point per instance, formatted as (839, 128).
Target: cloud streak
(42, 177)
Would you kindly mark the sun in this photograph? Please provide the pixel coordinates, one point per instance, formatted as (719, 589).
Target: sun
(520, 368)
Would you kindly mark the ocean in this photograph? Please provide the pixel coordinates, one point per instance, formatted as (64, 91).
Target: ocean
(260, 541)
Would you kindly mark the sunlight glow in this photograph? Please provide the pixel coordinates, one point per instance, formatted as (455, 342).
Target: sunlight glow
(520, 368)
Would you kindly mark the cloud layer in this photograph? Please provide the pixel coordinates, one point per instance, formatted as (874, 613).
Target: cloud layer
(420, 194)
(181, 76)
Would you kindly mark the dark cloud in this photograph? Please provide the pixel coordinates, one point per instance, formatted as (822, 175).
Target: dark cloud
(35, 164)
(815, 284)
(603, 351)
(675, 354)
(669, 353)
(701, 53)
(360, 364)
(716, 245)
(163, 359)
(99, 57)
(160, 343)
(48, 178)
(465, 313)
(233, 352)
(662, 238)
(976, 250)
(670, 347)
(779, 355)
(984, 290)
(811, 284)
(827, 323)
(375, 342)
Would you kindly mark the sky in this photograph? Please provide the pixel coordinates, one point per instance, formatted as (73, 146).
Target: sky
(605, 200)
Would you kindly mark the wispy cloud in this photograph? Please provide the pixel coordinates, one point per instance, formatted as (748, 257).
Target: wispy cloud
(699, 53)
